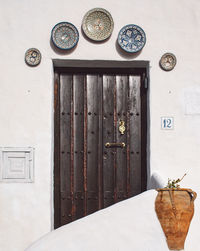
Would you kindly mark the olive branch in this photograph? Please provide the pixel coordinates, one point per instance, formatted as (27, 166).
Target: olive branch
(174, 183)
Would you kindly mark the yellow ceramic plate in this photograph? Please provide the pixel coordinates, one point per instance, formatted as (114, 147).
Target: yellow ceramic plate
(98, 24)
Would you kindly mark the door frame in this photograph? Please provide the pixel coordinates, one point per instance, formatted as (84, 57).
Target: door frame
(100, 66)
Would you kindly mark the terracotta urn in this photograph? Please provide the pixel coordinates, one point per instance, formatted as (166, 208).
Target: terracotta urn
(175, 209)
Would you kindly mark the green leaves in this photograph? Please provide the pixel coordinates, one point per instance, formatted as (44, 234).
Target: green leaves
(174, 183)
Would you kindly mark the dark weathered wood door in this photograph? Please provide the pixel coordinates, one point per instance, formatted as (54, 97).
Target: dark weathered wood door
(100, 140)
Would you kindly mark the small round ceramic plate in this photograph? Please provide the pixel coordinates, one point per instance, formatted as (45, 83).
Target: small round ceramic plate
(64, 35)
(168, 61)
(32, 57)
(131, 38)
(98, 24)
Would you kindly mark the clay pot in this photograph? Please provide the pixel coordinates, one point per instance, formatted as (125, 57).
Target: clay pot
(175, 209)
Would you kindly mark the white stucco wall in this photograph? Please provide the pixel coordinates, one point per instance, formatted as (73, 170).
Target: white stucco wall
(26, 95)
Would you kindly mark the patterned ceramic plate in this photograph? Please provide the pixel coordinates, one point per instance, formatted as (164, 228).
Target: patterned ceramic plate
(32, 57)
(64, 35)
(168, 61)
(98, 24)
(131, 38)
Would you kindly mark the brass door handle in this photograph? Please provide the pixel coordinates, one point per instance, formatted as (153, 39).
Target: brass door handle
(122, 144)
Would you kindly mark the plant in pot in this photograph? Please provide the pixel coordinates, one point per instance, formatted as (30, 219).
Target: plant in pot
(175, 208)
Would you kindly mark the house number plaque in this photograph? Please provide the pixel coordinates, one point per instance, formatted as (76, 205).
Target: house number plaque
(167, 123)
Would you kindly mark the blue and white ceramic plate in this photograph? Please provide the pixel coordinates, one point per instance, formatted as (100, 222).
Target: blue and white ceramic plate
(131, 38)
(64, 35)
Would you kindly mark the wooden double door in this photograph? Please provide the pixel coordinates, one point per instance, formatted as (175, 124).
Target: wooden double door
(100, 139)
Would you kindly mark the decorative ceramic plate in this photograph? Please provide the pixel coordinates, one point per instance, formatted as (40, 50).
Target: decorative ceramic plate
(98, 24)
(168, 61)
(131, 38)
(64, 35)
(32, 57)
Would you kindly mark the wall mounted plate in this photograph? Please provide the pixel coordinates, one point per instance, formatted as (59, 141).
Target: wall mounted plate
(64, 35)
(33, 57)
(168, 61)
(98, 24)
(131, 38)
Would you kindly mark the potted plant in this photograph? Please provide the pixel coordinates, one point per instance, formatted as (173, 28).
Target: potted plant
(175, 208)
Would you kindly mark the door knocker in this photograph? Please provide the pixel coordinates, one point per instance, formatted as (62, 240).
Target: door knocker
(122, 127)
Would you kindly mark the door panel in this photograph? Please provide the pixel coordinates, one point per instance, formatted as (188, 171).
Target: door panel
(108, 136)
(135, 134)
(66, 201)
(78, 146)
(122, 100)
(91, 174)
(92, 183)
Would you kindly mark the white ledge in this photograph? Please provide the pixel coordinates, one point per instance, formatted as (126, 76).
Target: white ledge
(126, 226)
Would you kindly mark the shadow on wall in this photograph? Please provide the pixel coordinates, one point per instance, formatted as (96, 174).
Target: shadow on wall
(121, 52)
(124, 54)
(156, 181)
(93, 41)
(60, 51)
